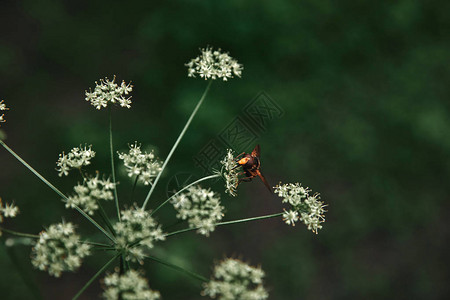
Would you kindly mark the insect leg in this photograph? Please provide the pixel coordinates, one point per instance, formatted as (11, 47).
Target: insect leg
(239, 155)
(244, 179)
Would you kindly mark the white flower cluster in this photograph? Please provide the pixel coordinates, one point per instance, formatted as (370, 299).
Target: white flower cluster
(129, 286)
(142, 164)
(200, 207)
(304, 207)
(59, 249)
(90, 192)
(234, 279)
(75, 159)
(214, 64)
(7, 211)
(136, 232)
(2, 108)
(230, 173)
(109, 91)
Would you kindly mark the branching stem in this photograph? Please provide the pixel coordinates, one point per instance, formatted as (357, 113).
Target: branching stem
(65, 199)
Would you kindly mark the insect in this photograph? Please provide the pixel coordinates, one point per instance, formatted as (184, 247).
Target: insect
(251, 165)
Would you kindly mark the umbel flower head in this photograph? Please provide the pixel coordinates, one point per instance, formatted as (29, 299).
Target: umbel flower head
(130, 286)
(233, 279)
(137, 226)
(75, 159)
(2, 108)
(230, 173)
(90, 192)
(109, 92)
(7, 211)
(304, 207)
(59, 249)
(200, 207)
(213, 64)
(142, 164)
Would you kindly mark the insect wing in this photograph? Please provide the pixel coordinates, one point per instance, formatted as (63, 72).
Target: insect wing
(264, 180)
(257, 151)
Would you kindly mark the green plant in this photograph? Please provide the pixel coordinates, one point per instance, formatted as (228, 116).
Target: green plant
(132, 232)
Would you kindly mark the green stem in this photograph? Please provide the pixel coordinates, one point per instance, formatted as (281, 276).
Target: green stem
(176, 143)
(134, 188)
(105, 248)
(178, 268)
(184, 188)
(33, 170)
(24, 273)
(65, 199)
(105, 218)
(121, 265)
(95, 276)
(16, 233)
(116, 198)
(81, 173)
(95, 223)
(174, 224)
(36, 236)
(228, 223)
(96, 244)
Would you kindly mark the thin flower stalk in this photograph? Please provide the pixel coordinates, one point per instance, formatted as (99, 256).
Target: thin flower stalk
(100, 272)
(176, 143)
(178, 268)
(21, 234)
(113, 171)
(56, 190)
(228, 223)
(183, 189)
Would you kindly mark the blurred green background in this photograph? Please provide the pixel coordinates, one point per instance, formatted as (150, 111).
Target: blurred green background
(365, 90)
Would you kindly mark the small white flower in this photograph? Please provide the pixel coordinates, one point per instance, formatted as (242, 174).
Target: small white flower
(233, 279)
(2, 107)
(137, 226)
(75, 159)
(90, 192)
(315, 215)
(10, 210)
(200, 207)
(214, 64)
(304, 207)
(230, 173)
(109, 92)
(130, 286)
(142, 164)
(290, 217)
(7, 211)
(59, 249)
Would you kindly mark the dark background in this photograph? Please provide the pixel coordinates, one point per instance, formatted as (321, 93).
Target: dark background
(365, 89)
